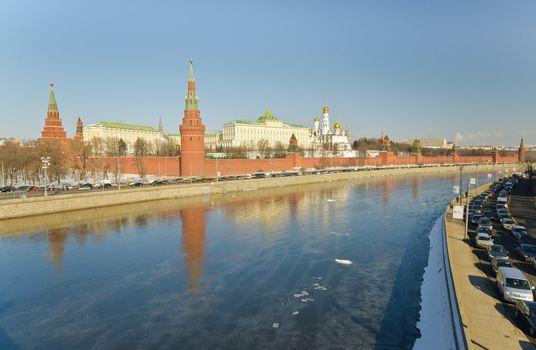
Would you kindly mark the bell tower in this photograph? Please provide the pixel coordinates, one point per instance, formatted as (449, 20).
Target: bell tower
(192, 132)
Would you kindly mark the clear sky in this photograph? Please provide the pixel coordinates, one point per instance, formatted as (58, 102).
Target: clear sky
(463, 70)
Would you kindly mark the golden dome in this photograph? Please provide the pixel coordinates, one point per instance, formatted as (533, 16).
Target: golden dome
(337, 125)
(326, 109)
(316, 118)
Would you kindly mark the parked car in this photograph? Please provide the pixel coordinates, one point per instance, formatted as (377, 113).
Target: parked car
(483, 240)
(85, 187)
(489, 214)
(513, 285)
(484, 222)
(496, 263)
(8, 189)
(497, 251)
(519, 233)
(484, 230)
(508, 224)
(476, 218)
(526, 310)
(526, 251)
(33, 188)
(137, 183)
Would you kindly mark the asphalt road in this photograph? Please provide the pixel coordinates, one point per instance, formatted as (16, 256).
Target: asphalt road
(525, 215)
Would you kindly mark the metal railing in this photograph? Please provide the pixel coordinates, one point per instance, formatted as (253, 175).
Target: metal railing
(457, 324)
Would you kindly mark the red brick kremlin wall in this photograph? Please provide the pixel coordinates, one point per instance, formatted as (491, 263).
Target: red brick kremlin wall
(170, 166)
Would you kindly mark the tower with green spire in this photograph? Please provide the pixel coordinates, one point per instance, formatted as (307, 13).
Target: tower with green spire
(192, 132)
(53, 129)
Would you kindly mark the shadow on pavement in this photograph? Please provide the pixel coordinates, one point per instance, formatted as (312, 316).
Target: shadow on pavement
(482, 284)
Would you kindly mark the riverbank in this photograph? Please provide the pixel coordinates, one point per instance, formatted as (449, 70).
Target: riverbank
(17, 208)
(480, 312)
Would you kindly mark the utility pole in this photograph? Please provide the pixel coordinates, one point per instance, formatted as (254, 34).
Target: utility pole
(46, 162)
(460, 189)
(217, 170)
(118, 175)
(465, 236)
(476, 187)
(3, 176)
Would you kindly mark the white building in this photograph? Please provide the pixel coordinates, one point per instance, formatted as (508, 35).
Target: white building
(213, 139)
(127, 132)
(325, 138)
(267, 127)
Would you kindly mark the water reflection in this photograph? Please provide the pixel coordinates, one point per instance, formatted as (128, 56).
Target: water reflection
(217, 272)
(193, 242)
(56, 242)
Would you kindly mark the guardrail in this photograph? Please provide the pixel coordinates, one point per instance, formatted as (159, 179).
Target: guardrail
(457, 324)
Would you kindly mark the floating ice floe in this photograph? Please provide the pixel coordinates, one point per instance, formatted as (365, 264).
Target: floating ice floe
(318, 286)
(303, 293)
(343, 261)
(305, 300)
(339, 234)
(294, 313)
(275, 325)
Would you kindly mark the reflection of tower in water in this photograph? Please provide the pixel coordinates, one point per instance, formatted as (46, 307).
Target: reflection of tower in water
(415, 189)
(387, 185)
(56, 243)
(193, 242)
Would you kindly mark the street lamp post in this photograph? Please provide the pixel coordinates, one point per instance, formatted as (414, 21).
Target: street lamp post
(476, 186)
(467, 210)
(460, 188)
(46, 162)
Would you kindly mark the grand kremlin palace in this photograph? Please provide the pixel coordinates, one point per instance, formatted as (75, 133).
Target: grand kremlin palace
(267, 127)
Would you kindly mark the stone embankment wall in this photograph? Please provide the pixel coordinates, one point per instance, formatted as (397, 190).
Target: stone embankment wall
(76, 201)
(170, 166)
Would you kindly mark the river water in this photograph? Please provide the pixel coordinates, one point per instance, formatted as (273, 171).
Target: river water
(244, 271)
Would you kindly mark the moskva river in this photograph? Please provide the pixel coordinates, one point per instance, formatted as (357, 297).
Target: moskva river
(255, 270)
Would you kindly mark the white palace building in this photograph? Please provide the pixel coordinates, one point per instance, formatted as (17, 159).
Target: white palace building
(247, 133)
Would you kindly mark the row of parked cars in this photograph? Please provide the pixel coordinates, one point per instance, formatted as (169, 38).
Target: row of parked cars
(512, 284)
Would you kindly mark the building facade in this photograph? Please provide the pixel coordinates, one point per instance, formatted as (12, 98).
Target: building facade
(129, 133)
(267, 129)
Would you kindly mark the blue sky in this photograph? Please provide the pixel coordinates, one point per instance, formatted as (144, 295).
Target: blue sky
(464, 70)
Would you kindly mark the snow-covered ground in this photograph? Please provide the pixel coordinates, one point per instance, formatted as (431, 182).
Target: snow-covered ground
(438, 323)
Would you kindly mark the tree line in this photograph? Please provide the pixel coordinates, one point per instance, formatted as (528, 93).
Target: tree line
(20, 162)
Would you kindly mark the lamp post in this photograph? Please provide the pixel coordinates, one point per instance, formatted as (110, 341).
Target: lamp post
(460, 188)
(476, 185)
(467, 210)
(46, 162)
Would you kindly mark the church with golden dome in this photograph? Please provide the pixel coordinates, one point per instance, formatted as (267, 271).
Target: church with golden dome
(325, 138)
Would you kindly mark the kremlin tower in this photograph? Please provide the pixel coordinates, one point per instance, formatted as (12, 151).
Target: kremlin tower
(53, 129)
(79, 135)
(192, 133)
(521, 153)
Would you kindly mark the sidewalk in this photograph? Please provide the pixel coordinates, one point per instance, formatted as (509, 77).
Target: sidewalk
(486, 321)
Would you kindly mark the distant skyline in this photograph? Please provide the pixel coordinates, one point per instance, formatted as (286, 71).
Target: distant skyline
(461, 70)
